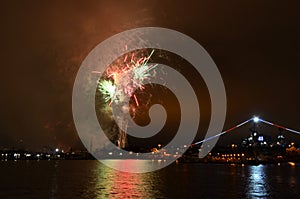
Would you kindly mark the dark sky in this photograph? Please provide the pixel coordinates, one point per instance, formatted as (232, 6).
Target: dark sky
(255, 44)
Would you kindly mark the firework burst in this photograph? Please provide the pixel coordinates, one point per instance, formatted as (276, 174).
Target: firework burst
(126, 78)
(120, 82)
(107, 88)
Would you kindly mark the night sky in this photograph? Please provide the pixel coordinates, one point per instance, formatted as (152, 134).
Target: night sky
(255, 44)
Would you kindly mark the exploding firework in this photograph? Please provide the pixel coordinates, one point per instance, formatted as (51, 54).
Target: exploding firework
(108, 89)
(122, 80)
(125, 79)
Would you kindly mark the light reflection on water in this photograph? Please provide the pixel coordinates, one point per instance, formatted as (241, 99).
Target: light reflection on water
(91, 179)
(257, 185)
(111, 183)
(115, 184)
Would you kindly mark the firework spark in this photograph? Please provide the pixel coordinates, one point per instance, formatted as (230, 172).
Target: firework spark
(121, 80)
(125, 79)
(108, 88)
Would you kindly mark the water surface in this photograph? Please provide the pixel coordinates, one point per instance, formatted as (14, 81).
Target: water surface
(91, 179)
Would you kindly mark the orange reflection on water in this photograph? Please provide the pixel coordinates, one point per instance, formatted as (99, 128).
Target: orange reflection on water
(115, 184)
